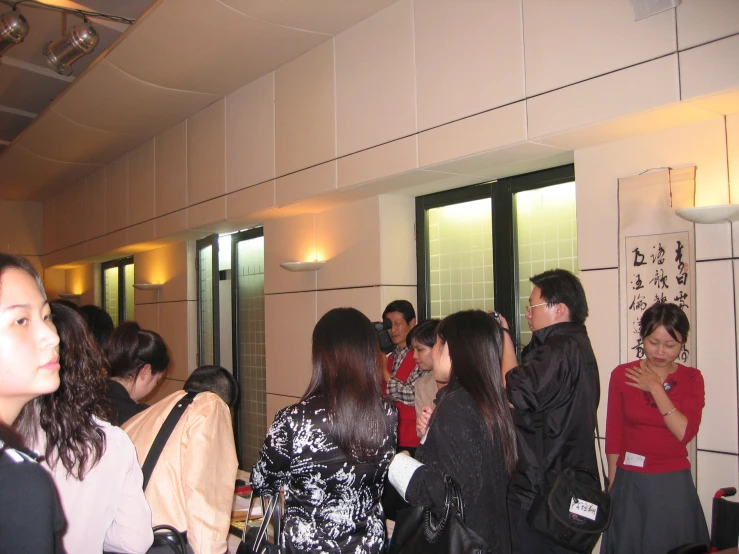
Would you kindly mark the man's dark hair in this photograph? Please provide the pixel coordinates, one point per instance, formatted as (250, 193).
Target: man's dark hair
(99, 322)
(424, 333)
(215, 379)
(402, 306)
(559, 286)
(669, 316)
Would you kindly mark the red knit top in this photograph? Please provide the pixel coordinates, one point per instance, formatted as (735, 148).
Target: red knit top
(406, 414)
(636, 426)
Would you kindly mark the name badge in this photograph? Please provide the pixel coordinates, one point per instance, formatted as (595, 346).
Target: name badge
(583, 508)
(635, 460)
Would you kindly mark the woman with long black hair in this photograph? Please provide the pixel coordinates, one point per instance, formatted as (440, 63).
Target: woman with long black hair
(471, 436)
(331, 450)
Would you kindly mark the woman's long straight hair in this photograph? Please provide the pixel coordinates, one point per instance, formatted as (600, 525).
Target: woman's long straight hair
(347, 373)
(475, 342)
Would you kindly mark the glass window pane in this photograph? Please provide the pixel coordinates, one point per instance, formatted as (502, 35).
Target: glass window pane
(546, 229)
(460, 246)
(128, 292)
(206, 305)
(252, 361)
(110, 302)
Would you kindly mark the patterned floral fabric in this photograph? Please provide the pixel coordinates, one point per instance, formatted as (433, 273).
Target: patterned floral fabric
(332, 502)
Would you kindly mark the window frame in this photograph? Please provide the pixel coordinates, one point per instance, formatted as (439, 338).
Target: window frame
(236, 238)
(121, 264)
(210, 240)
(501, 193)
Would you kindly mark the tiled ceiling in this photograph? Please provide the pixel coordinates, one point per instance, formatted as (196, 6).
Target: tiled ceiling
(180, 56)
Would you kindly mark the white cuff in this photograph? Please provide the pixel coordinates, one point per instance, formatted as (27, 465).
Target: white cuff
(401, 470)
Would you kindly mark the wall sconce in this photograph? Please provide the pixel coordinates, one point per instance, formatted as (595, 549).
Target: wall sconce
(710, 214)
(70, 296)
(302, 266)
(148, 286)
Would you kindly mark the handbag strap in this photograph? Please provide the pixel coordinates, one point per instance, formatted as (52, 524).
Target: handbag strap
(177, 541)
(273, 512)
(163, 435)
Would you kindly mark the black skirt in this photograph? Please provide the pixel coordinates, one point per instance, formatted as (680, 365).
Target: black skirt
(654, 512)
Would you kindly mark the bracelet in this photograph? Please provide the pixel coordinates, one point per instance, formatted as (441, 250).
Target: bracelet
(668, 412)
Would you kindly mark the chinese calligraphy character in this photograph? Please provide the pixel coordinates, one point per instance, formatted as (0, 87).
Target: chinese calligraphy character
(638, 349)
(659, 256)
(660, 298)
(638, 303)
(638, 257)
(638, 284)
(680, 300)
(659, 279)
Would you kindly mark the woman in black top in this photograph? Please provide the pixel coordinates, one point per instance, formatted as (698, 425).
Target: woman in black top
(30, 517)
(138, 362)
(471, 436)
(331, 450)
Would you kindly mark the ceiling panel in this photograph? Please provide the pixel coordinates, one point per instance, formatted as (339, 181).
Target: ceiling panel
(205, 46)
(12, 124)
(321, 16)
(26, 90)
(145, 109)
(26, 176)
(58, 138)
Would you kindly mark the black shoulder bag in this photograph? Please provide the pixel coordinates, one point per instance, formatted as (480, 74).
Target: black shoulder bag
(167, 539)
(570, 508)
(254, 540)
(419, 531)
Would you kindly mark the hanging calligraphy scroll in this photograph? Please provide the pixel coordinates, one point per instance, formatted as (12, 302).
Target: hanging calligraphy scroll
(658, 271)
(657, 262)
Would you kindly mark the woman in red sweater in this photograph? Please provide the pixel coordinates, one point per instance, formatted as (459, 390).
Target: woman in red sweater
(654, 410)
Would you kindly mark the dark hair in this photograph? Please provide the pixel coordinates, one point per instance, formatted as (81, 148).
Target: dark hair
(475, 342)
(669, 316)
(347, 373)
(424, 333)
(559, 286)
(402, 306)
(67, 416)
(130, 348)
(215, 379)
(8, 261)
(98, 322)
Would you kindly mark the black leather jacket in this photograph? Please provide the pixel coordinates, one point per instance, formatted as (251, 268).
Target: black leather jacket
(557, 380)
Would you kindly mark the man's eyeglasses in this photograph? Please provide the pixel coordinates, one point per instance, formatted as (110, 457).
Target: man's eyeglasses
(529, 308)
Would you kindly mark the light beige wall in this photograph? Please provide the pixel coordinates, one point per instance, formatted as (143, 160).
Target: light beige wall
(360, 272)
(418, 97)
(597, 170)
(172, 310)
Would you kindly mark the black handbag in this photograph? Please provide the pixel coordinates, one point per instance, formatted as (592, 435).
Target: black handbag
(570, 509)
(254, 539)
(419, 531)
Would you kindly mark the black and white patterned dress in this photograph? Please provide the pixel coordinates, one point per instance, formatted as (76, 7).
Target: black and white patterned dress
(332, 502)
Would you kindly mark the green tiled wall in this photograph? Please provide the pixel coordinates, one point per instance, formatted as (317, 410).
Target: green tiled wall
(110, 302)
(128, 288)
(460, 257)
(546, 227)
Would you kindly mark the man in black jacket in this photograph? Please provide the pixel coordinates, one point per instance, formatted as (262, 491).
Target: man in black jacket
(555, 388)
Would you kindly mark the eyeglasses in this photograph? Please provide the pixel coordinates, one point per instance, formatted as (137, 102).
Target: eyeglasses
(529, 308)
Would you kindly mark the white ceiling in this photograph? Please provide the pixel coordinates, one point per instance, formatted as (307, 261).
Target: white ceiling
(181, 56)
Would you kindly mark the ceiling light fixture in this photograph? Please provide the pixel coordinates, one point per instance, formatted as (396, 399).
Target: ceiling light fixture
(13, 29)
(79, 41)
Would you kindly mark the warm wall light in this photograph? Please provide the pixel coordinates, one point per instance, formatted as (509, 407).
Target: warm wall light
(710, 214)
(148, 286)
(302, 266)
